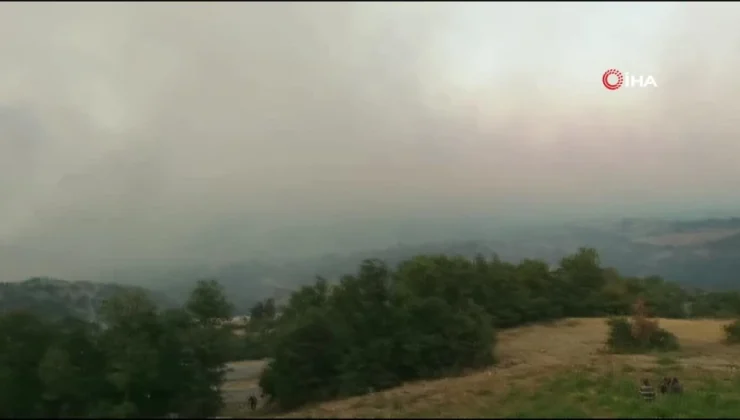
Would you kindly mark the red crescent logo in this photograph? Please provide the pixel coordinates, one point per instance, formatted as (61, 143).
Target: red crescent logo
(612, 86)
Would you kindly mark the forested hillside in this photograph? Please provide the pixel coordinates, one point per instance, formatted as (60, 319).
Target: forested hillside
(58, 299)
(695, 253)
(434, 316)
(430, 316)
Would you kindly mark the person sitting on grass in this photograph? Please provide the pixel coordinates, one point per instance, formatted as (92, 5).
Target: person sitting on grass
(676, 387)
(666, 385)
(647, 391)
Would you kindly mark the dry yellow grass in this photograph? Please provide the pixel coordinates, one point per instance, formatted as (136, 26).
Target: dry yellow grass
(527, 356)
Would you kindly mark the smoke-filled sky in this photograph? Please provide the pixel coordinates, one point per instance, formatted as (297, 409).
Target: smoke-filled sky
(148, 131)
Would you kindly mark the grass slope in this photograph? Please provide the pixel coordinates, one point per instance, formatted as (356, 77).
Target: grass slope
(561, 370)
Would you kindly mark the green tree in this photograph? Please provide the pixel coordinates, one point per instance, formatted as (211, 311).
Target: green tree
(305, 298)
(208, 302)
(584, 280)
(306, 360)
(208, 345)
(24, 339)
(370, 332)
(58, 376)
(436, 339)
(263, 310)
(131, 351)
(72, 370)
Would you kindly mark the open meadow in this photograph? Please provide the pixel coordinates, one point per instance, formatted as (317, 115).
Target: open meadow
(562, 370)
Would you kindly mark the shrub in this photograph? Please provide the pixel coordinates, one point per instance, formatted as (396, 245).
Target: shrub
(732, 332)
(640, 335)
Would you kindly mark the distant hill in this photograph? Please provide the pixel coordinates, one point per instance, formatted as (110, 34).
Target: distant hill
(59, 298)
(702, 252)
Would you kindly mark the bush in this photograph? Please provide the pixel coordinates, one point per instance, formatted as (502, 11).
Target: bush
(438, 340)
(639, 336)
(305, 365)
(663, 340)
(623, 340)
(732, 332)
(369, 336)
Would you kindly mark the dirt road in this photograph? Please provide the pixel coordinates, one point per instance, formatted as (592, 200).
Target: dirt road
(241, 380)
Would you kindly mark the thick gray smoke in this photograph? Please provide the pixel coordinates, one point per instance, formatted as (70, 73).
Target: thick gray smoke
(153, 132)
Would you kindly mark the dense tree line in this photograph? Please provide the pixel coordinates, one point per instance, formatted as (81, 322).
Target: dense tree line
(436, 315)
(430, 316)
(139, 362)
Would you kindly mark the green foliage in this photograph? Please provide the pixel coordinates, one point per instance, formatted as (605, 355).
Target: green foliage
(435, 315)
(259, 334)
(641, 335)
(369, 333)
(289, 376)
(431, 316)
(439, 340)
(263, 310)
(622, 339)
(208, 303)
(23, 343)
(732, 332)
(140, 363)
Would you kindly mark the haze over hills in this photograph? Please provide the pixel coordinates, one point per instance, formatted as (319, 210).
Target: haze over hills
(179, 160)
(701, 252)
(300, 130)
(312, 129)
(695, 252)
(58, 299)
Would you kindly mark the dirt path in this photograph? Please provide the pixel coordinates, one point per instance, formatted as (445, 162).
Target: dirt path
(241, 381)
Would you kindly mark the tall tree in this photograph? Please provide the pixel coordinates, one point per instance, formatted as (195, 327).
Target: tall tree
(208, 303)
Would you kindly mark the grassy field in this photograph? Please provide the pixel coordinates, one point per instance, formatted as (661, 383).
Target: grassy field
(562, 370)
